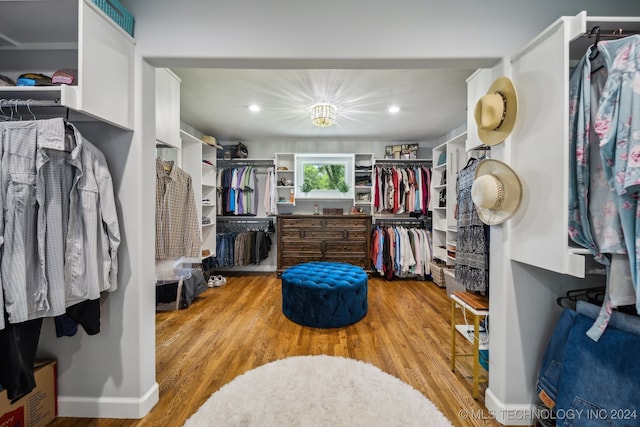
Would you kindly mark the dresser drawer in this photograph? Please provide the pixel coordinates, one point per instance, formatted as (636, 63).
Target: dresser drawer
(302, 246)
(356, 223)
(301, 223)
(357, 234)
(323, 234)
(288, 261)
(345, 248)
(291, 234)
(360, 261)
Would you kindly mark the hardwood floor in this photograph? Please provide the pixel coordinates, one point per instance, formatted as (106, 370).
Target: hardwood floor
(237, 327)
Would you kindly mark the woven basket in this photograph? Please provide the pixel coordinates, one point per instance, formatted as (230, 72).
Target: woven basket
(117, 13)
(437, 274)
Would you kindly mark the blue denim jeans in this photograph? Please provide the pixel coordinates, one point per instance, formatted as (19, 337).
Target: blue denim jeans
(551, 367)
(225, 249)
(599, 382)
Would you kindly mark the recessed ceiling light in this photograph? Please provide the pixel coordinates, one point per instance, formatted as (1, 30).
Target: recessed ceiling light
(393, 109)
(254, 107)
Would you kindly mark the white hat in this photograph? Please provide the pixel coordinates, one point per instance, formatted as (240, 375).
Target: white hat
(495, 113)
(496, 191)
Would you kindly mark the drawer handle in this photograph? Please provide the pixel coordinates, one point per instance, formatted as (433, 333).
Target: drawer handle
(345, 246)
(313, 234)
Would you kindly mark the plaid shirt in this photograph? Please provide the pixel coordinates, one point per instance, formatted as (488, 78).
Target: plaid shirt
(177, 223)
(59, 231)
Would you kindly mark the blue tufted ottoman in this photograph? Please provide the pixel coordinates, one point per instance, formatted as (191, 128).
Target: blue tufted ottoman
(324, 294)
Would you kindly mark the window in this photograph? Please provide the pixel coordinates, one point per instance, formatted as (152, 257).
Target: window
(324, 176)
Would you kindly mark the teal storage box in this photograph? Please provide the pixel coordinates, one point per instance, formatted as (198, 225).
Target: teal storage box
(117, 13)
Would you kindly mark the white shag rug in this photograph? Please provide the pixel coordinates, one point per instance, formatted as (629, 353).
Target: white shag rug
(306, 391)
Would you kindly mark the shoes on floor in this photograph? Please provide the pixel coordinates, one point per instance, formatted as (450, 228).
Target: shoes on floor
(216, 281)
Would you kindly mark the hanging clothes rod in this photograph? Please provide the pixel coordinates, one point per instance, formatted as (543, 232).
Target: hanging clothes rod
(402, 222)
(402, 162)
(241, 220)
(29, 103)
(245, 162)
(598, 33)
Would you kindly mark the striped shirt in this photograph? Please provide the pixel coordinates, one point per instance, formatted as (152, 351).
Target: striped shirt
(59, 230)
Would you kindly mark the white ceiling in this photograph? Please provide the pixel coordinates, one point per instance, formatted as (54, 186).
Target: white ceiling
(432, 102)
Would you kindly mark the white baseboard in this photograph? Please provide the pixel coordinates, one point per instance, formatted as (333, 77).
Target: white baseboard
(108, 407)
(507, 414)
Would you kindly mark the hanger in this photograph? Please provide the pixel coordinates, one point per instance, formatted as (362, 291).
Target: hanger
(469, 162)
(33, 116)
(594, 47)
(3, 115)
(15, 108)
(594, 295)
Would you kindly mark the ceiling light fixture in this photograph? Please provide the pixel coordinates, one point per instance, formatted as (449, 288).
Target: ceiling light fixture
(254, 107)
(393, 109)
(323, 115)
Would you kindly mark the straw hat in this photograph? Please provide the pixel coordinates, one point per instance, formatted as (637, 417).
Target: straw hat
(495, 113)
(496, 191)
(210, 140)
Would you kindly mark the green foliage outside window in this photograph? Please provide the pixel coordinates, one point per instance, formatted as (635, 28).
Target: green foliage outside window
(324, 177)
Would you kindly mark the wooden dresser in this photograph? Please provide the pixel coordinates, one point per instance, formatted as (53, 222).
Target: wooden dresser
(303, 238)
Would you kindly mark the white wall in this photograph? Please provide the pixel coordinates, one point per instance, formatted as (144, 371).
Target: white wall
(112, 374)
(267, 149)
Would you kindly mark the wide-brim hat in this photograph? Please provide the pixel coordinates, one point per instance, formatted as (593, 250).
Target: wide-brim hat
(210, 140)
(496, 191)
(495, 113)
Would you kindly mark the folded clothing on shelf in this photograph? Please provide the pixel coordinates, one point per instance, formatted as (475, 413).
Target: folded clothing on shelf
(33, 79)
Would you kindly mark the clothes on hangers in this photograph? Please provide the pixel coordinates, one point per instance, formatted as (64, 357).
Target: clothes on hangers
(270, 194)
(242, 248)
(238, 191)
(177, 224)
(604, 129)
(59, 231)
(398, 251)
(399, 190)
(69, 254)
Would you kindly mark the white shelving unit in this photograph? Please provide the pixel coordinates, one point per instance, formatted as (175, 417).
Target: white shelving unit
(363, 182)
(438, 207)
(448, 157)
(209, 198)
(203, 177)
(75, 39)
(285, 181)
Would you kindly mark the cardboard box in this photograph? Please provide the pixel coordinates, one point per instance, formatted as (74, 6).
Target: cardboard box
(39, 407)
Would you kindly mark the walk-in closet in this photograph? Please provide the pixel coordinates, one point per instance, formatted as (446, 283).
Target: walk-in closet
(166, 167)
